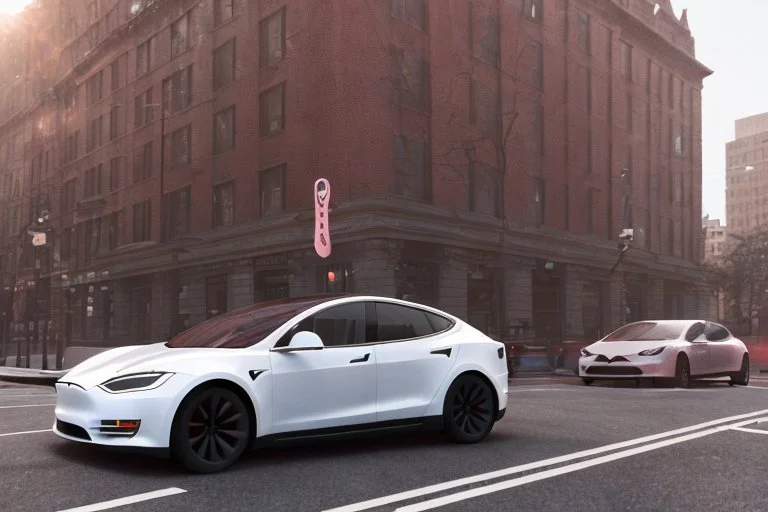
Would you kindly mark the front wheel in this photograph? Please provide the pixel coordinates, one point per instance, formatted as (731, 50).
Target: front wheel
(587, 382)
(682, 373)
(212, 431)
(469, 412)
(741, 378)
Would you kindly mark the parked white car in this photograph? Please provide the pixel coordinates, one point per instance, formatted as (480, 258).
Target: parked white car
(291, 368)
(667, 349)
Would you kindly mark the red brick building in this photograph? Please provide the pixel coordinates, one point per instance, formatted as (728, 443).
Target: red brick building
(474, 148)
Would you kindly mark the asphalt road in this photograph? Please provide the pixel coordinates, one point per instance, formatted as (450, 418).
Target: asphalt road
(708, 452)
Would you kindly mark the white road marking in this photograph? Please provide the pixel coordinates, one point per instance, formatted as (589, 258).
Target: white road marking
(20, 406)
(550, 473)
(121, 502)
(751, 430)
(431, 489)
(26, 432)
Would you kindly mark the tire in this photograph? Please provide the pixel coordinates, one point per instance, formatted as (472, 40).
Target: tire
(741, 378)
(682, 372)
(469, 409)
(198, 441)
(587, 382)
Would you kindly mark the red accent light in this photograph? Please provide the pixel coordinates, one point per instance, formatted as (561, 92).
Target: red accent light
(331, 277)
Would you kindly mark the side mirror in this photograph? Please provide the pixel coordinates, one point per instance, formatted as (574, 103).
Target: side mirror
(303, 340)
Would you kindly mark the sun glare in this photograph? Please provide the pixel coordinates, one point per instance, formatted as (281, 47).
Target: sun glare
(13, 6)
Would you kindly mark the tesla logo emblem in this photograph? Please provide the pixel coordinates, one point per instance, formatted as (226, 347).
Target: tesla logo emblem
(322, 227)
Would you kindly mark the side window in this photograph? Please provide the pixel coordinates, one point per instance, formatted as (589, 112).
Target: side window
(695, 331)
(336, 326)
(397, 322)
(439, 323)
(715, 332)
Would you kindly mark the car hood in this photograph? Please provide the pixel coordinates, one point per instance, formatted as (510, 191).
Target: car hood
(119, 361)
(625, 348)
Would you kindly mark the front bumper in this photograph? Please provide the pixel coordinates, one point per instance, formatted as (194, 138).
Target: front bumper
(635, 367)
(79, 413)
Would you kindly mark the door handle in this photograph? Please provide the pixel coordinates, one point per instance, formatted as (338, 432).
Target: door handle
(442, 352)
(361, 359)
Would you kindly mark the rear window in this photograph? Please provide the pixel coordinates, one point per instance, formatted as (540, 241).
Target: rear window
(647, 331)
(246, 326)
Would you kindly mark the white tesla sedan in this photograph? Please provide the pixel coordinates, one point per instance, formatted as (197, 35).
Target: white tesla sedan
(291, 368)
(667, 349)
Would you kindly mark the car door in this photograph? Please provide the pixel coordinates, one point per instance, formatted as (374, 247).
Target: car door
(332, 387)
(414, 353)
(698, 355)
(724, 357)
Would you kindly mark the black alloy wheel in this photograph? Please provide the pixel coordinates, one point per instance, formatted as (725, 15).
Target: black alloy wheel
(741, 378)
(586, 381)
(682, 373)
(468, 413)
(212, 432)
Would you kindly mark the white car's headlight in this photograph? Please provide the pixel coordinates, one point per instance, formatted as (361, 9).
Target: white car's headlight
(135, 382)
(652, 351)
(585, 353)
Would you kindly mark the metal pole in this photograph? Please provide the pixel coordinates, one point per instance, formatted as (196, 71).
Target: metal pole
(37, 301)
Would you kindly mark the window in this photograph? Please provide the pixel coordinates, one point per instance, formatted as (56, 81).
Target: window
(336, 326)
(272, 188)
(141, 313)
(591, 207)
(224, 64)
(142, 221)
(484, 189)
(647, 331)
(143, 110)
(412, 176)
(533, 9)
(94, 134)
(142, 163)
(180, 35)
(117, 71)
(181, 144)
(177, 91)
(395, 322)
(116, 169)
(538, 129)
(272, 110)
(68, 197)
(409, 78)
(179, 212)
(113, 230)
(94, 88)
(537, 65)
(413, 12)
(670, 90)
(714, 332)
(115, 130)
(626, 61)
(630, 124)
(93, 181)
(145, 56)
(224, 131)
(670, 237)
(215, 295)
(540, 200)
(223, 11)
(583, 32)
(484, 37)
(224, 204)
(272, 31)
(694, 332)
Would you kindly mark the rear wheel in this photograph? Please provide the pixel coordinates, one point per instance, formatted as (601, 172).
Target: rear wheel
(587, 382)
(469, 412)
(211, 432)
(741, 378)
(682, 372)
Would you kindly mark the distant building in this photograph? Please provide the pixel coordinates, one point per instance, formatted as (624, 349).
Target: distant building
(746, 176)
(715, 239)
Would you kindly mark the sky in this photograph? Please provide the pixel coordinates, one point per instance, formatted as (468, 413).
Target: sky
(731, 39)
(13, 6)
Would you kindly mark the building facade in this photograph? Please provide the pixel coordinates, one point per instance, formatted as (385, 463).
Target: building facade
(746, 176)
(483, 157)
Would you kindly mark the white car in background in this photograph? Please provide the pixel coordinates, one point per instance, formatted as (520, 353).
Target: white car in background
(679, 350)
(291, 368)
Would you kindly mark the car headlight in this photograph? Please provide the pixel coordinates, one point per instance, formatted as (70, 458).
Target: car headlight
(135, 382)
(585, 353)
(652, 351)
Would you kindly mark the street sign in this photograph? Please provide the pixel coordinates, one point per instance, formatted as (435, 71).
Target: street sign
(38, 239)
(322, 228)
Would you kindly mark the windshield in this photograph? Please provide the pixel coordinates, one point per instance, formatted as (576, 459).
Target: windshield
(246, 326)
(647, 331)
